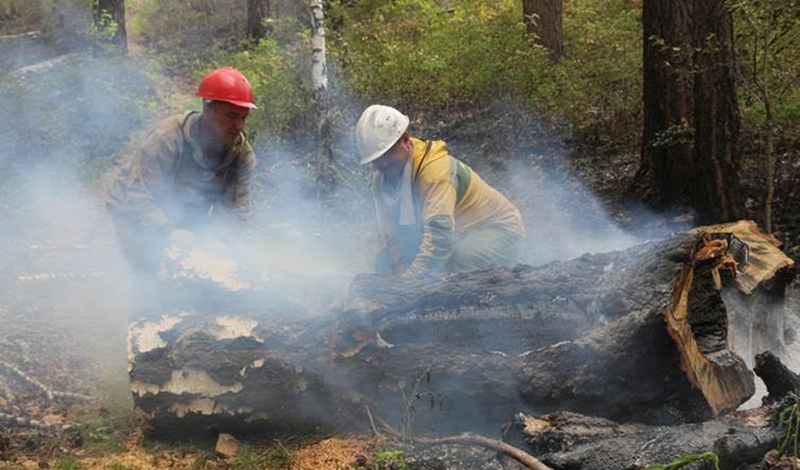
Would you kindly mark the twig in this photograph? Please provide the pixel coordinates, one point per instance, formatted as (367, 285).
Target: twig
(469, 438)
(50, 394)
(372, 423)
(23, 422)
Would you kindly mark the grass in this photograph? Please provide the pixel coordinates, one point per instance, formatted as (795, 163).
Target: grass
(68, 462)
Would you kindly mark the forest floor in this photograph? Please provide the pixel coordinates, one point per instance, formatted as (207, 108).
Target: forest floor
(64, 309)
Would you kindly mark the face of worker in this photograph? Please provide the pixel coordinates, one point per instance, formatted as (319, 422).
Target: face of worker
(393, 160)
(226, 120)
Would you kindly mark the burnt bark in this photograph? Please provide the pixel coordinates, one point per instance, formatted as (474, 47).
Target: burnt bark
(543, 20)
(257, 12)
(109, 18)
(637, 335)
(573, 441)
(691, 120)
(780, 381)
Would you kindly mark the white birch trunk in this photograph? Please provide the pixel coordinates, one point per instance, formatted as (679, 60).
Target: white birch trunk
(319, 80)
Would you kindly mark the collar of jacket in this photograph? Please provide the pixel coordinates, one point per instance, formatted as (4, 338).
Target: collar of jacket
(192, 133)
(420, 158)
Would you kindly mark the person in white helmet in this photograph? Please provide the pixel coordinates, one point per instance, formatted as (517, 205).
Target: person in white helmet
(434, 212)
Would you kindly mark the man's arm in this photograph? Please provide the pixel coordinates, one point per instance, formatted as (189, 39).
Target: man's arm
(438, 198)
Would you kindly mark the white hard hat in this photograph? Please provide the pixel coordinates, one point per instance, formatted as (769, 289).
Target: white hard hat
(378, 128)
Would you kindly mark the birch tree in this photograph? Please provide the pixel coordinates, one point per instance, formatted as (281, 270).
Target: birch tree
(319, 80)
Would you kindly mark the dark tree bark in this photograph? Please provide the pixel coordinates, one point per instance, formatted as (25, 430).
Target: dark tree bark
(691, 120)
(110, 14)
(637, 335)
(543, 19)
(573, 441)
(716, 189)
(257, 12)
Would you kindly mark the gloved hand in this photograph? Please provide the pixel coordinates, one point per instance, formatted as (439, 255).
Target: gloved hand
(182, 239)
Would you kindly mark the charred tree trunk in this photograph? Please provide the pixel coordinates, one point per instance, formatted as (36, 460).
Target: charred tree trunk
(665, 174)
(258, 11)
(109, 18)
(691, 120)
(543, 19)
(638, 335)
(716, 190)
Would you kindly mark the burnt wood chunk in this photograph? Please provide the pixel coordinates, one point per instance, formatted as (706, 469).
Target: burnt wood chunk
(572, 441)
(780, 381)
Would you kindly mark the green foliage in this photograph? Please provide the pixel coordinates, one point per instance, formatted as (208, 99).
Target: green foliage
(416, 53)
(189, 34)
(391, 459)
(789, 419)
(104, 430)
(68, 462)
(768, 43)
(281, 87)
(276, 456)
(686, 460)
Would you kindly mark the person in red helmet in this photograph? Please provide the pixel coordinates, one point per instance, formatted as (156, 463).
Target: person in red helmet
(189, 167)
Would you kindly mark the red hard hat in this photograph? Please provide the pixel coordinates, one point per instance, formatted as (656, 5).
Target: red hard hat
(228, 85)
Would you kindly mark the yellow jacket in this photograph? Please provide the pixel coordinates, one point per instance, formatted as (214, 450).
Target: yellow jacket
(450, 199)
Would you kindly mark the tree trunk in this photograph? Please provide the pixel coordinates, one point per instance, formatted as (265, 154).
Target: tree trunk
(638, 335)
(717, 192)
(109, 16)
(691, 120)
(257, 12)
(543, 19)
(319, 80)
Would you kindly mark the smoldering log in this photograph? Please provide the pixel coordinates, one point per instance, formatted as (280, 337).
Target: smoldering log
(636, 335)
(780, 381)
(663, 354)
(572, 441)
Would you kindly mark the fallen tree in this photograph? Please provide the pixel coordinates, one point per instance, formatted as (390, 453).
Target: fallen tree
(638, 335)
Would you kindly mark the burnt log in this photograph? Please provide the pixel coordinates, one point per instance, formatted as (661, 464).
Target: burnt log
(780, 381)
(571, 441)
(635, 335)
(663, 354)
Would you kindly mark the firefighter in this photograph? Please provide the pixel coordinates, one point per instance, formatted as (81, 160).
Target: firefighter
(434, 212)
(188, 169)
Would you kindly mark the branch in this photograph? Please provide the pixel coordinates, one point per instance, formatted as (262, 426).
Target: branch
(49, 393)
(22, 422)
(469, 438)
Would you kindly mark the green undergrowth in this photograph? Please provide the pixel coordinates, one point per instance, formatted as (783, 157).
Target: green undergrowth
(104, 429)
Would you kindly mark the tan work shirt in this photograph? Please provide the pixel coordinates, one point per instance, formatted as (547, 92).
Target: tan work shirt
(170, 181)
